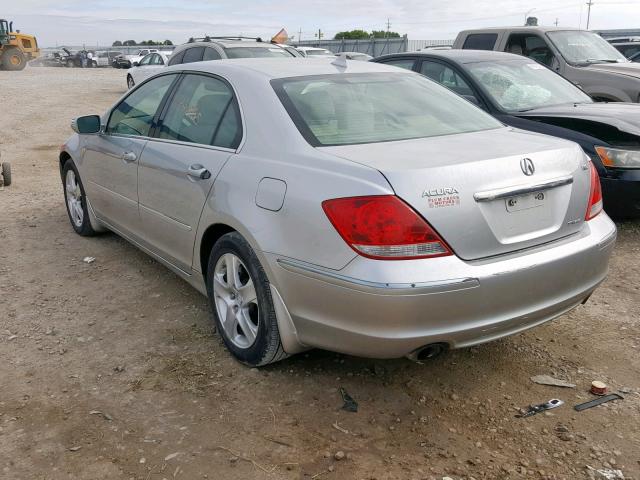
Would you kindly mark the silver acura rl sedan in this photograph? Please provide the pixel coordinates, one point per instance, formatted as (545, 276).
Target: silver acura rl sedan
(350, 206)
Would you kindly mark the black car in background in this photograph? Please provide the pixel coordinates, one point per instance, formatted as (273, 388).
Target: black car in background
(525, 94)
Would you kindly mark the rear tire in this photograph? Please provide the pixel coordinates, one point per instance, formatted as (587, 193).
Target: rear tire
(6, 174)
(13, 59)
(76, 200)
(240, 292)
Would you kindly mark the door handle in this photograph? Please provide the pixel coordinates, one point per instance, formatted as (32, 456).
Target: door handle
(198, 172)
(129, 157)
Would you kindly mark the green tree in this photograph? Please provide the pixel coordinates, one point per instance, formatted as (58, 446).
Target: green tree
(167, 42)
(384, 34)
(129, 43)
(117, 43)
(352, 35)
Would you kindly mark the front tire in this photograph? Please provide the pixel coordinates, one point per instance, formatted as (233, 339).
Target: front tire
(6, 174)
(13, 59)
(240, 297)
(76, 200)
(130, 82)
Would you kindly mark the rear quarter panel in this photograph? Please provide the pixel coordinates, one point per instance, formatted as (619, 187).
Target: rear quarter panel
(274, 148)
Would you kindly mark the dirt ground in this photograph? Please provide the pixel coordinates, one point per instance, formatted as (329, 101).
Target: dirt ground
(111, 370)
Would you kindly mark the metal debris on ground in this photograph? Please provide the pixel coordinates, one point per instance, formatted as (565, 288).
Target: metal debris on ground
(605, 473)
(106, 416)
(598, 401)
(549, 380)
(89, 259)
(541, 407)
(350, 405)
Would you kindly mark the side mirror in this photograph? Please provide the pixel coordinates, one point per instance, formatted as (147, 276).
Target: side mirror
(88, 124)
(136, 64)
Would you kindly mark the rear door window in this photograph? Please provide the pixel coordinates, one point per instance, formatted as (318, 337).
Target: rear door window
(177, 58)
(193, 55)
(211, 54)
(204, 111)
(480, 41)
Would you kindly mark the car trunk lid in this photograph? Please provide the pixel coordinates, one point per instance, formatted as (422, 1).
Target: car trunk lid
(474, 188)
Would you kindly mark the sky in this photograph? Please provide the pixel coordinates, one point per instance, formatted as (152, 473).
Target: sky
(75, 22)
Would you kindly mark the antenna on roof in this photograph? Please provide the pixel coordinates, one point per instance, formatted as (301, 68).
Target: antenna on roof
(340, 61)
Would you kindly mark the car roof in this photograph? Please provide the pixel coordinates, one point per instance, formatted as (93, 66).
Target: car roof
(272, 68)
(225, 43)
(462, 56)
(536, 28)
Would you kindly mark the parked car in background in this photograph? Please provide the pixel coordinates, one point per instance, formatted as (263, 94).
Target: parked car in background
(357, 56)
(431, 224)
(149, 65)
(635, 58)
(217, 48)
(316, 52)
(105, 58)
(527, 95)
(628, 46)
(73, 59)
(127, 61)
(289, 48)
(581, 56)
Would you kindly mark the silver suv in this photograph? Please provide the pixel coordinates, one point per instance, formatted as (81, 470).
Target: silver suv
(216, 48)
(580, 56)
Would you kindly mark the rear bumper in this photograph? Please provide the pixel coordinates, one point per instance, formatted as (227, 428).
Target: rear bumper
(387, 309)
(621, 195)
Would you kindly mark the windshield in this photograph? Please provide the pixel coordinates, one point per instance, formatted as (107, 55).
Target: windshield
(320, 51)
(255, 52)
(585, 47)
(516, 85)
(357, 108)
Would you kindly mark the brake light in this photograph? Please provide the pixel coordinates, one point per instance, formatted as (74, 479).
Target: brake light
(384, 227)
(595, 194)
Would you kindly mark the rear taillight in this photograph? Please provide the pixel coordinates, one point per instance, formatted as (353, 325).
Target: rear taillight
(384, 227)
(595, 195)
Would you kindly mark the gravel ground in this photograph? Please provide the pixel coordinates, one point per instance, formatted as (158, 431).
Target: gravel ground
(111, 369)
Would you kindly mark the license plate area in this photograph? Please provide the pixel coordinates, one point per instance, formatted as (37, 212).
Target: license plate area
(526, 202)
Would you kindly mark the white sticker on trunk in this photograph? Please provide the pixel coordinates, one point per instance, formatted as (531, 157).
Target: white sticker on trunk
(536, 66)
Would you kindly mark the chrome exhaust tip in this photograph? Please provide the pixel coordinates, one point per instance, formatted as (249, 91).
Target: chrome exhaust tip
(428, 352)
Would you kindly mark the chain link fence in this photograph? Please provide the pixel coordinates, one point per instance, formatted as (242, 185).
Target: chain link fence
(374, 46)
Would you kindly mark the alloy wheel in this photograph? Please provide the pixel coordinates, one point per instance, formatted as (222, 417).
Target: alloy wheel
(74, 199)
(236, 301)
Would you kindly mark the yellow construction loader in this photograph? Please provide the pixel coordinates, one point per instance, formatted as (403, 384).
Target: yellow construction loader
(16, 48)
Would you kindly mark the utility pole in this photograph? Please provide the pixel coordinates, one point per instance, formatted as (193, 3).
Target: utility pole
(388, 26)
(589, 3)
(556, 22)
(319, 34)
(300, 35)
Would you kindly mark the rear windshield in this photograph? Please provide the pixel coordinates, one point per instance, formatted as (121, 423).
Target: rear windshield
(346, 109)
(256, 52)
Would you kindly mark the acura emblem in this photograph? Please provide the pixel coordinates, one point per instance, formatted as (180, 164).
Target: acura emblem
(527, 166)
